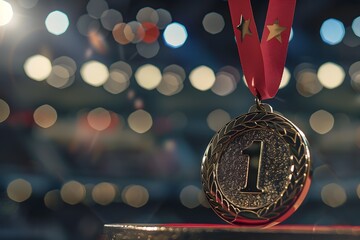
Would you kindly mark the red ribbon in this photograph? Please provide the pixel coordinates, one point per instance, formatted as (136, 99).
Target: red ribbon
(262, 63)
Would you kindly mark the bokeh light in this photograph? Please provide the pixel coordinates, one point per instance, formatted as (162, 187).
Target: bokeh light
(170, 84)
(202, 78)
(37, 67)
(321, 121)
(87, 24)
(225, 84)
(147, 14)
(234, 72)
(118, 82)
(172, 80)
(189, 196)
(332, 31)
(123, 33)
(138, 103)
(97, 42)
(135, 196)
(52, 199)
(148, 76)
(217, 119)
(94, 73)
(333, 195)
(213, 23)
(45, 116)
(95, 8)
(151, 32)
(165, 18)
(175, 35)
(135, 33)
(60, 71)
(331, 75)
(99, 119)
(203, 200)
(176, 69)
(67, 62)
(148, 50)
(110, 18)
(19, 190)
(354, 68)
(57, 22)
(354, 72)
(104, 193)
(322, 172)
(307, 82)
(140, 121)
(122, 66)
(356, 26)
(291, 36)
(285, 79)
(73, 192)
(59, 77)
(119, 78)
(4, 111)
(6, 12)
(63, 72)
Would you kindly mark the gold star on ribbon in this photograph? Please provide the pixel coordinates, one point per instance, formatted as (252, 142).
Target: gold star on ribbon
(275, 31)
(243, 27)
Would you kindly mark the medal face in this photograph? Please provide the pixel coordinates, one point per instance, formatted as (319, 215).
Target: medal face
(256, 169)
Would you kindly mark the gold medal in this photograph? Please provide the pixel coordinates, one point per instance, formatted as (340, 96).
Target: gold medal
(256, 169)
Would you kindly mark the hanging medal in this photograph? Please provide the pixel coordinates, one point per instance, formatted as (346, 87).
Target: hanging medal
(256, 169)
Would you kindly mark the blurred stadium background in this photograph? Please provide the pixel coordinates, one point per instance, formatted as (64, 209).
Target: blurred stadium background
(106, 108)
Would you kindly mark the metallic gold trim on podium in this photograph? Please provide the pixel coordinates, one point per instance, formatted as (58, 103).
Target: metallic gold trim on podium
(228, 232)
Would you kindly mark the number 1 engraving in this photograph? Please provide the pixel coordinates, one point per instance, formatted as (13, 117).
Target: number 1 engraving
(254, 154)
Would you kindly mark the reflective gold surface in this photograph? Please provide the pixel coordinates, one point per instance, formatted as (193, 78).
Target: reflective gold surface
(259, 187)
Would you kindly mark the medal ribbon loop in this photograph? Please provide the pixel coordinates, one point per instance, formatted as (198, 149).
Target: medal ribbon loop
(262, 62)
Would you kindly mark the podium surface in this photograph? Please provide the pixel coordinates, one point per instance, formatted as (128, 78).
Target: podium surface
(227, 232)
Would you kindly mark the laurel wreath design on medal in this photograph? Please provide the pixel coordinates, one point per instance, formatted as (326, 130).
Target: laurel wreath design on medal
(300, 159)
